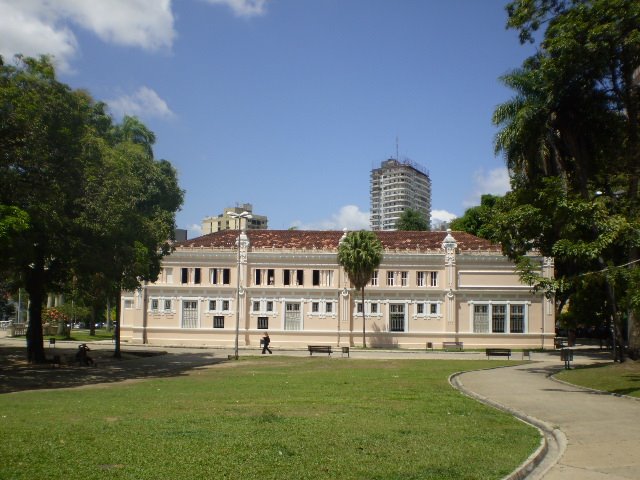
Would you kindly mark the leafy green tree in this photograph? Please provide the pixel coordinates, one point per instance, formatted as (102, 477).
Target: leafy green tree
(412, 220)
(43, 124)
(100, 209)
(571, 130)
(476, 220)
(360, 253)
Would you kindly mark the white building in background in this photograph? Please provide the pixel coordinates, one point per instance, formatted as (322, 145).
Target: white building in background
(430, 287)
(228, 222)
(395, 187)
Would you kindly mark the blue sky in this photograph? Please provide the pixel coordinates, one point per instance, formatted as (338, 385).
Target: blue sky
(288, 104)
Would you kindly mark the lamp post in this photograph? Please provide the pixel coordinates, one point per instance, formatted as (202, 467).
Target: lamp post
(242, 243)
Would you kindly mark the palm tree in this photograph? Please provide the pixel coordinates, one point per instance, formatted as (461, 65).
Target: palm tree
(360, 253)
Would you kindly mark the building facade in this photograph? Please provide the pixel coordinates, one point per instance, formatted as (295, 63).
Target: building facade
(430, 287)
(395, 187)
(228, 222)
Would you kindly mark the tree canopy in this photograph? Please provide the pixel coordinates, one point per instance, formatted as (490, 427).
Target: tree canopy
(360, 253)
(412, 220)
(85, 205)
(571, 139)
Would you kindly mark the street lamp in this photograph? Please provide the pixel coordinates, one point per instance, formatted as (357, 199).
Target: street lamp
(242, 243)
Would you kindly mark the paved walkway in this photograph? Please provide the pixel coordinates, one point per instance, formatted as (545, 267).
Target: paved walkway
(591, 435)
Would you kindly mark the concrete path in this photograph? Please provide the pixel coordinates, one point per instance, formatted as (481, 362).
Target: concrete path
(591, 435)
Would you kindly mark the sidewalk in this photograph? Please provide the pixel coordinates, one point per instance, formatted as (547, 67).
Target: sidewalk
(590, 435)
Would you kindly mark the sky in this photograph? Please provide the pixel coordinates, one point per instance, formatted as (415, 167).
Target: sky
(289, 104)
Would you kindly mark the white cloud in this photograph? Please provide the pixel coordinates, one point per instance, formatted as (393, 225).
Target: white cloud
(144, 103)
(440, 216)
(243, 8)
(494, 181)
(35, 27)
(349, 216)
(194, 230)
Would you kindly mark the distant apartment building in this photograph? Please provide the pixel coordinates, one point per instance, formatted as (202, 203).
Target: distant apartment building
(398, 185)
(227, 222)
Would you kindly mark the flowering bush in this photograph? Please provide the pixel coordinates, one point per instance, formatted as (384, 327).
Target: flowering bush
(53, 315)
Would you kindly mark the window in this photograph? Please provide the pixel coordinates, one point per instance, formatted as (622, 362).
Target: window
(263, 323)
(391, 279)
(374, 308)
(264, 276)
(481, 318)
(269, 306)
(154, 304)
(396, 317)
(420, 308)
(225, 305)
(293, 277)
(167, 305)
(220, 276)
(169, 273)
(498, 318)
(292, 317)
(434, 308)
(212, 305)
(322, 278)
(196, 276)
(256, 306)
(328, 308)
(189, 314)
(218, 321)
(404, 278)
(433, 279)
(359, 307)
(374, 278)
(420, 279)
(517, 319)
(128, 303)
(315, 307)
(184, 275)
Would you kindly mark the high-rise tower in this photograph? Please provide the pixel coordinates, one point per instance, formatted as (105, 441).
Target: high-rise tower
(395, 187)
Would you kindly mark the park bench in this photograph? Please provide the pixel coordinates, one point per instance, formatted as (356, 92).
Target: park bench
(452, 346)
(560, 342)
(498, 352)
(319, 349)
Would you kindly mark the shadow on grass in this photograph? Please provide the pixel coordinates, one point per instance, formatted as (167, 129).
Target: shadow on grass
(17, 375)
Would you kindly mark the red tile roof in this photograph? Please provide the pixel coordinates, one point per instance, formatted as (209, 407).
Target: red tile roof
(329, 239)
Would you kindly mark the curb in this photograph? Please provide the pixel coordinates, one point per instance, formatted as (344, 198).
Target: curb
(553, 442)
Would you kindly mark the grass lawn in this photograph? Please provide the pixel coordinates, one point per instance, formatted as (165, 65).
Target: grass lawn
(82, 335)
(267, 418)
(622, 378)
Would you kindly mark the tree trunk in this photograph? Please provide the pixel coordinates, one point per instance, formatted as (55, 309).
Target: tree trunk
(35, 289)
(92, 322)
(364, 338)
(116, 333)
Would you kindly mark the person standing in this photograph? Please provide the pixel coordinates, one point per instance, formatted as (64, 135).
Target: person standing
(265, 344)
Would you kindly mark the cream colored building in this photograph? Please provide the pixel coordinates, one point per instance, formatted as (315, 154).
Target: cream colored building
(228, 222)
(431, 287)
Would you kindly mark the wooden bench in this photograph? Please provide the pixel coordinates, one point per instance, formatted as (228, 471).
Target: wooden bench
(452, 346)
(319, 349)
(560, 342)
(499, 352)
